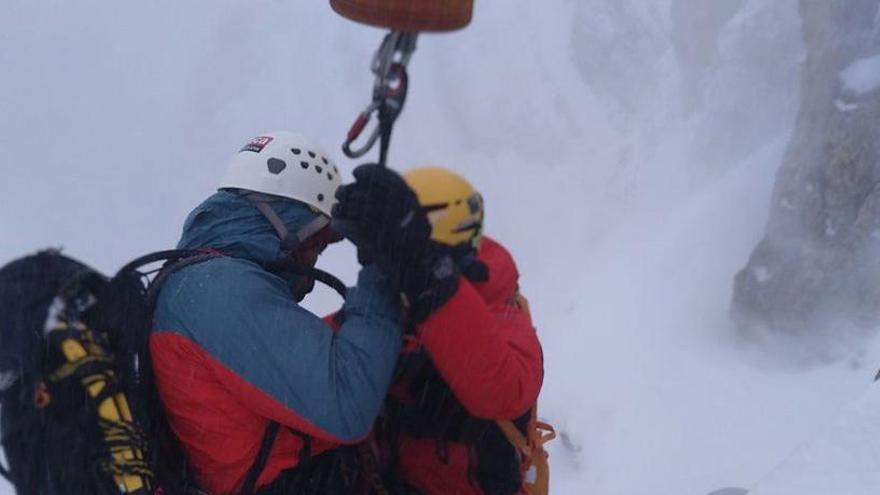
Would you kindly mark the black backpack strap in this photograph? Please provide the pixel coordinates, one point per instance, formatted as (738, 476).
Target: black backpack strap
(168, 255)
(250, 481)
(305, 453)
(174, 264)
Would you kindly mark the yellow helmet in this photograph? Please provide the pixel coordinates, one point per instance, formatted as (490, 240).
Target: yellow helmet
(454, 208)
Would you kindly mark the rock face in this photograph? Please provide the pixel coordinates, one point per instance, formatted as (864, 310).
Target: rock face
(818, 267)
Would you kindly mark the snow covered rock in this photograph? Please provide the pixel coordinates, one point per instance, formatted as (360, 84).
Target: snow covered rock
(818, 266)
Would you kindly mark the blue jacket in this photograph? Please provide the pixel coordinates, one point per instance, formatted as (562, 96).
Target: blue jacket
(233, 350)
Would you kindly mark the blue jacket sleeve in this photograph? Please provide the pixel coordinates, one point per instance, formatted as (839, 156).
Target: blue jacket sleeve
(246, 320)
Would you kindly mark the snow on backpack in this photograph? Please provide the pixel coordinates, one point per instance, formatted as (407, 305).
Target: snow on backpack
(78, 410)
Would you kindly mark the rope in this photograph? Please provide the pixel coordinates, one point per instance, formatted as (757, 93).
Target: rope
(290, 265)
(386, 128)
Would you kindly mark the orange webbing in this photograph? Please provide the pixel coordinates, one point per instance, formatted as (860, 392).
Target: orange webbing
(535, 459)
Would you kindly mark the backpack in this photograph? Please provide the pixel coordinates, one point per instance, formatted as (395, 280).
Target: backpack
(79, 413)
(510, 455)
(79, 409)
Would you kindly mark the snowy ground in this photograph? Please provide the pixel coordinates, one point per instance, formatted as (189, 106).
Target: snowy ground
(630, 180)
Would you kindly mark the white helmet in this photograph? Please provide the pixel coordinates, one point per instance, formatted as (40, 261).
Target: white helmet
(285, 164)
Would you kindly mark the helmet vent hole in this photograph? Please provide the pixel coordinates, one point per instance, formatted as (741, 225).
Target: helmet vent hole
(276, 166)
(320, 197)
(324, 159)
(304, 165)
(329, 176)
(319, 169)
(312, 154)
(335, 169)
(295, 151)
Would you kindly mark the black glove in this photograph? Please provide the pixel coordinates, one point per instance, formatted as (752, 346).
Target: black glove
(381, 215)
(381, 212)
(469, 265)
(349, 230)
(430, 281)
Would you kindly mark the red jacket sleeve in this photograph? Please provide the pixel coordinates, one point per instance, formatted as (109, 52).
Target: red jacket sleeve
(487, 350)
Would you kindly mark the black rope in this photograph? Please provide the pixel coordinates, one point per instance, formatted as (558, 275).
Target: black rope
(386, 127)
(390, 109)
(328, 279)
(289, 265)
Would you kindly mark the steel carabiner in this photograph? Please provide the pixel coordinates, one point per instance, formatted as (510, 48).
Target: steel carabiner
(390, 88)
(357, 129)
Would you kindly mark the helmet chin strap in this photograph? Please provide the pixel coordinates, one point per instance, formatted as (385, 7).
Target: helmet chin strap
(291, 241)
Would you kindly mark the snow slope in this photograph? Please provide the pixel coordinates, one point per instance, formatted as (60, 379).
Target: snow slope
(646, 376)
(841, 458)
(629, 178)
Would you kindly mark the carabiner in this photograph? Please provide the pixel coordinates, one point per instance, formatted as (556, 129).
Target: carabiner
(357, 129)
(390, 88)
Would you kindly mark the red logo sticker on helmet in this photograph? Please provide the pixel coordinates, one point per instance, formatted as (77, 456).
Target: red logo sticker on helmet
(257, 144)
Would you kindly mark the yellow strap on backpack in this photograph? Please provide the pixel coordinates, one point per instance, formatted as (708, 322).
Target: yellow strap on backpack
(536, 460)
(113, 410)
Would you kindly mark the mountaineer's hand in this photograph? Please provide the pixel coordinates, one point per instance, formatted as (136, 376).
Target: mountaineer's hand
(469, 264)
(379, 210)
(382, 216)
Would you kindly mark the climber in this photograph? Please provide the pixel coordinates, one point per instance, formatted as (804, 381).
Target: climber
(471, 361)
(258, 390)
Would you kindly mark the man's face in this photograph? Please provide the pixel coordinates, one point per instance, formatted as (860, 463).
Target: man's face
(307, 255)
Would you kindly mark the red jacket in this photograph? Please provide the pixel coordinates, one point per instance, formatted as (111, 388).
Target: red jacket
(233, 351)
(483, 345)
